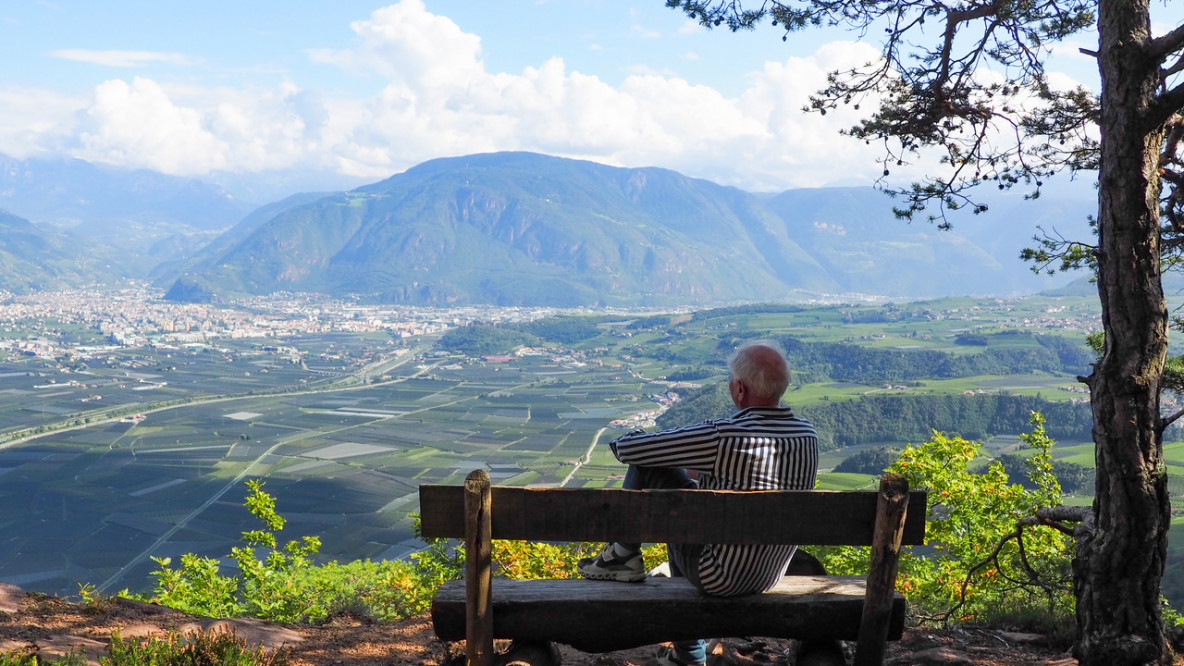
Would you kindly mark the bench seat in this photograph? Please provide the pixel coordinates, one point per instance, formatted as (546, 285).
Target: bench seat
(587, 614)
(602, 616)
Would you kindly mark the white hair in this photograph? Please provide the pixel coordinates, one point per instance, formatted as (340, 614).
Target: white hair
(761, 366)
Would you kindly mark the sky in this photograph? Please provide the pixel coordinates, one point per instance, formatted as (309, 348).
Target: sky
(346, 92)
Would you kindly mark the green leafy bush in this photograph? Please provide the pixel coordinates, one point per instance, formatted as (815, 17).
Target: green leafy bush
(217, 648)
(976, 564)
(25, 658)
(444, 560)
(283, 584)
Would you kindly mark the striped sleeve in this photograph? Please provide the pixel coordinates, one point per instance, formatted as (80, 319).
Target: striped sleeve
(760, 448)
(691, 447)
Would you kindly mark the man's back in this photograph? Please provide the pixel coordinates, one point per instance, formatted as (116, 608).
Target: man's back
(759, 448)
(763, 448)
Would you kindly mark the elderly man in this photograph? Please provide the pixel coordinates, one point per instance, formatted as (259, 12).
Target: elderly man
(762, 447)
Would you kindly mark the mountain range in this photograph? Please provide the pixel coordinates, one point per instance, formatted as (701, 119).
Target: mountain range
(530, 229)
(119, 222)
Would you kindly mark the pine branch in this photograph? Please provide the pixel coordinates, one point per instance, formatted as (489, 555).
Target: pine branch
(1162, 47)
(1053, 517)
(1169, 420)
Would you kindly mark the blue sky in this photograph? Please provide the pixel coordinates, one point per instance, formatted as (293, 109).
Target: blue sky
(353, 91)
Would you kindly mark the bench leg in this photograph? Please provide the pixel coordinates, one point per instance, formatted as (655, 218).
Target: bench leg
(478, 571)
(891, 507)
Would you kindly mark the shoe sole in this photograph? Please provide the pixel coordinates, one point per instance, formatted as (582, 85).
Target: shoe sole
(618, 577)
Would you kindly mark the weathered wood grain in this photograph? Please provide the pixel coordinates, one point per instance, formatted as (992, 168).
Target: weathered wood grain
(881, 579)
(478, 570)
(816, 517)
(599, 616)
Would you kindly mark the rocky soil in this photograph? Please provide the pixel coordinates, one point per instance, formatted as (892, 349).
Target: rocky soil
(52, 627)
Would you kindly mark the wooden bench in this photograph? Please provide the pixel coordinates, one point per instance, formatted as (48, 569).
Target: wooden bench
(598, 616)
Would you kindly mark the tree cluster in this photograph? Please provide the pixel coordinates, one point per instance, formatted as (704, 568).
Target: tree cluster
(903, 418)
(1074, 479)
(870, 365)
(483, 339)
(869, 461)
(907, 418)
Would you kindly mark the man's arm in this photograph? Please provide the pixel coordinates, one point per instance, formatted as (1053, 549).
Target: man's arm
(690, 447)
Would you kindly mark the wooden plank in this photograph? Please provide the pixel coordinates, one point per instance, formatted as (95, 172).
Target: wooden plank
(478, 571)
(816, 517)
(881, 577)
(598, 616)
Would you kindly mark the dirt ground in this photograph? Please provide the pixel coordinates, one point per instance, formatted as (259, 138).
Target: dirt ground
(53, 627)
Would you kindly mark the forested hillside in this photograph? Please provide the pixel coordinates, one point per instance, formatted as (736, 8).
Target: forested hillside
(530, 229)
(905, 418)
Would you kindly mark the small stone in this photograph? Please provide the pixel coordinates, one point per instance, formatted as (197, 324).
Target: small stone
(257, 632)
(140, 630)
(1023, 638)
(939, 656)
(63, 646)
(10, 598)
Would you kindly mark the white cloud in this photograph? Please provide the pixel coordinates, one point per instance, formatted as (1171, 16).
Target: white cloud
(410, 46)
(438, 99)
(36, 121)
(122, 58)
(137, 124)
(1159, 27)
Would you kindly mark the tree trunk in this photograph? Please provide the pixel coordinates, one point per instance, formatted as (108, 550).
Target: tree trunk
(1119, 566)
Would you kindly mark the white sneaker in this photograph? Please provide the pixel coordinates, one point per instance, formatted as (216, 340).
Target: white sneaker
(613, 563)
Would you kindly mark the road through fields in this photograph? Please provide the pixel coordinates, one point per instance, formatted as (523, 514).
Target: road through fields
(106, 585)
(583, 461)
(374, 369)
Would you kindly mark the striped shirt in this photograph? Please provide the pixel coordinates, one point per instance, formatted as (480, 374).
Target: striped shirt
(759, 448)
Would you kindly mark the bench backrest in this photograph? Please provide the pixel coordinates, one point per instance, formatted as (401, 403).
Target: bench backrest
(814, 517)
(480, 513)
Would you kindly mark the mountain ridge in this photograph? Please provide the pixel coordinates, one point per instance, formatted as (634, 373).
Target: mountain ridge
(96, 198)
(528, 229)
(512, 228)
(35, 257)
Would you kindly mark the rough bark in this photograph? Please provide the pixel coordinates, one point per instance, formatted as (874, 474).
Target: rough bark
(1119, 565)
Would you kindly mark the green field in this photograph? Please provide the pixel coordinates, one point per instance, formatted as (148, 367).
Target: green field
(345, 431)
(344, 463)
